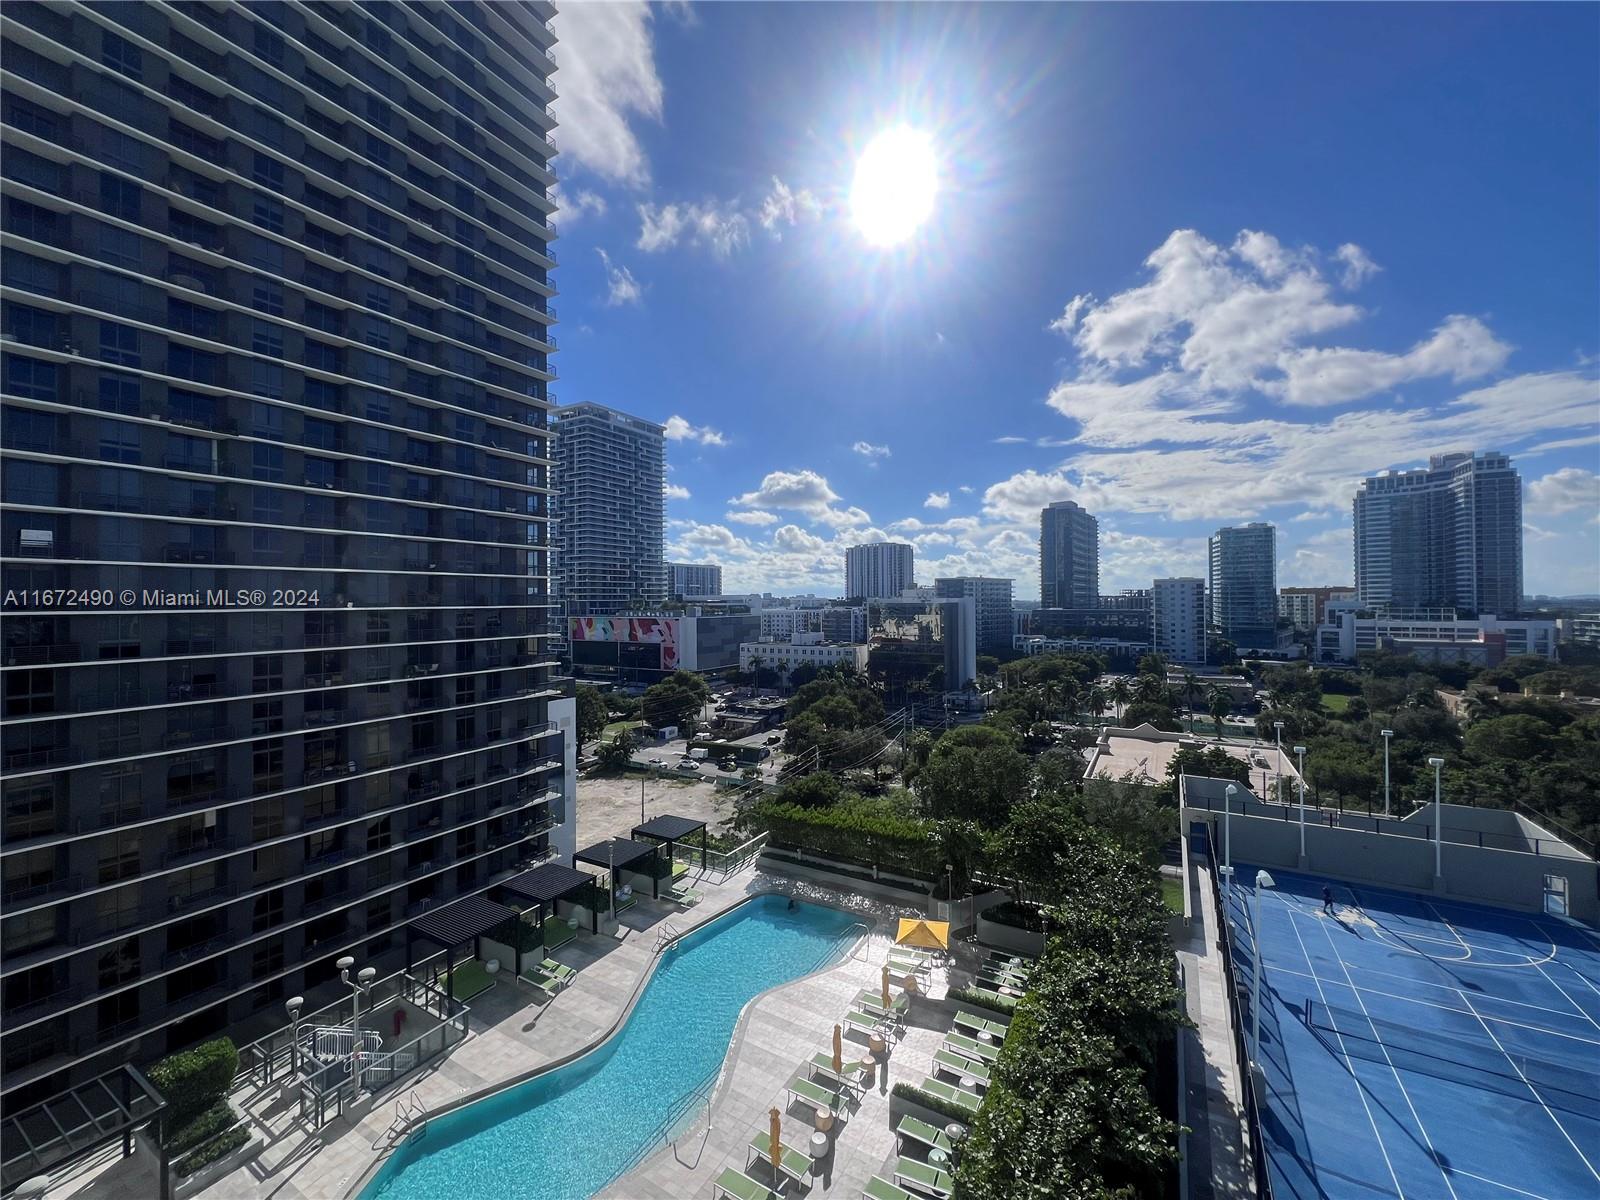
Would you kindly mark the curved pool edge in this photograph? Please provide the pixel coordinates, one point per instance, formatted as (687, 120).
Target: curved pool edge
(354, 1189)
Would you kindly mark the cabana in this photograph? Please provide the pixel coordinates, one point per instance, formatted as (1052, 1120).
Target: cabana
(670, 830)
(620, 854)
(454, 925)
(542, 888)
(42, 1138)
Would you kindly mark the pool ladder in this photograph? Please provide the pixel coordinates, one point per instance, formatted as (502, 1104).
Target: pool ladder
(668, 935)
(410, 1116)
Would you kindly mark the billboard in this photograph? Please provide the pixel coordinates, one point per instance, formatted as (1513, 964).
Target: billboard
(648, 643)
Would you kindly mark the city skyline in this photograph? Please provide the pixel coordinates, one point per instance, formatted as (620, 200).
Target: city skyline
(1111, 351)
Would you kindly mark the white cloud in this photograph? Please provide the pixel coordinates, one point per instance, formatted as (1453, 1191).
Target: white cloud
(720, 227)
(621, 286)
(607, 74)
(843, 518)
(1358, 266)
(804, 490)
(711, 540)
(1568, 490)
(1461, 348)
(786, 206)
(680, 430)
(753, 516)
(575, 207)
(965, 487)
(791, 539)
(868, 450)
(1068, 320)
(937, 500)
(1010, 440)
(675, 491)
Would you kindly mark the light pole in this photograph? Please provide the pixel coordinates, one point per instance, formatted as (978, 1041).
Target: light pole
(1437, 764)
(1227, 832)
(1277, 739)
(293, 1005)
(1387, 734)
(1263, 881)
(362, 983)
(641, 799)
(1301, 751)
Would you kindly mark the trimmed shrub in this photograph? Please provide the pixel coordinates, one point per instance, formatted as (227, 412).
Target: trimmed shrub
(206, 1155)
(938, 1104)
(213, 1121)
(978, 999)
(853, 834)
(193, 1080)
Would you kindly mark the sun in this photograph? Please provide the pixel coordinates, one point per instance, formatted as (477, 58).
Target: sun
(896, 180)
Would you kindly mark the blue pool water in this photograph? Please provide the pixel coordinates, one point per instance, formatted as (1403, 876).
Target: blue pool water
(566, 1134)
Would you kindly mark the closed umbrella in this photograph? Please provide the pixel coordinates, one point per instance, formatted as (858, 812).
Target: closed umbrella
(775, 1147)
(838, 1051)
(886, 987)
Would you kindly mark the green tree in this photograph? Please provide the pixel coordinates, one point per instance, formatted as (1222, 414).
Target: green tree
(969, 783)
(1516, 738)
(1219, 703)
(1130, 814)
(616, 754)
(676, 700)
(1121, 695)
(1148, 712)
(593, 716)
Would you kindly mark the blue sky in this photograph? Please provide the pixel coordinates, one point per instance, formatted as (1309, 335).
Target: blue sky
(1188, 265)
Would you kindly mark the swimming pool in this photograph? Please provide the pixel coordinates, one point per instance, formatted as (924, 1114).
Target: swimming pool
(566, 1134)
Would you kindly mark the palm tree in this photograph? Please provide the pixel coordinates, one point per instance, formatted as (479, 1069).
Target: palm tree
(1218, 703)
(1191, 689)
(1095, 701)
(1121, 694)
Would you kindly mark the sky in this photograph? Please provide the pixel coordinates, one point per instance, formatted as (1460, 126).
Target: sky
(1190, 266)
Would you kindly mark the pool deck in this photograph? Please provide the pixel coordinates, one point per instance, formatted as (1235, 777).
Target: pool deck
(512, 1036)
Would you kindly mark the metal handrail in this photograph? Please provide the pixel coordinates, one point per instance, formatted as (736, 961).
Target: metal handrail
(662, 1131)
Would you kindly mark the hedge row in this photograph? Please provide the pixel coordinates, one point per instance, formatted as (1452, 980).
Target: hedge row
(194, 1080)
(1069, 1111)
(938, 1104)
(974, 998)
(851, 834)
(213, 1121)
(221, 1148)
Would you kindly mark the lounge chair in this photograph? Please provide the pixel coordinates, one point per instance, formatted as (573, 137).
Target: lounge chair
(951, 1094)
(958, 1064)
(977, 1024)
(925, 1177)
(971, 1047)
(817, 1096)
(795, 1165)
(879, 1188)
(871, 999)
(1002, 959)
(907, 966)
(871, 1024)
(736, 1185)
(930, 1137)
(684, 897)
(854, 1074)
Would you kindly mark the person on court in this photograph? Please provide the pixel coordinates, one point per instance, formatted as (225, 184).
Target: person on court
(1327, 901)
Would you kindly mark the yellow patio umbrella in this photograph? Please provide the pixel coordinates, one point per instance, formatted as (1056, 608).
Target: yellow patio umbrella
(775, 1144)
(930, 935)
(886, 988)
(838, 1050)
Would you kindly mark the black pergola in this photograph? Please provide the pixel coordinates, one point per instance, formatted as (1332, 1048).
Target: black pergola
(620, 854)
(541, 887)
(466, 920)
(672, 829)
(73, 1123)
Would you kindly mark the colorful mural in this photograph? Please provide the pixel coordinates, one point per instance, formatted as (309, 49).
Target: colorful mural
(650, 631)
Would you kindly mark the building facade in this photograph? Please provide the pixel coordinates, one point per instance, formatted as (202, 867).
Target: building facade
(784, 657)
(835, 622)
(1243, 585)
(1449, 535)
(1305, 607)
(932, 642)
(1125, 615)
(1435, 636)
(646, 646)
(610, 514)
(878, 570)
(276, 285)
(1178, 619)
(991, 603)
(1069, 556)
(693, 579)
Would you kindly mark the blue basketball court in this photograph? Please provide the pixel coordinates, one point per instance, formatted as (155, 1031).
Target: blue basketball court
(1415, 1047)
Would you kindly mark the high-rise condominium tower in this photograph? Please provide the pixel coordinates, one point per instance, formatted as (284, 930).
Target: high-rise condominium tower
(1178, 619)
(1069, 556)
(276, 286)
(878, 570)
(694, 579)
(1243, 591)
(610, 470)
(991, 601)
(1446, 536)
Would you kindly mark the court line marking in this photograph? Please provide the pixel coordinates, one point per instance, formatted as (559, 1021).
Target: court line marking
(1470, 1012)
(1361, 1089)
(1528, 960)
(1582, 1157)
(1455, 989)
(1568, 998)
(1496, 1183)
(1393, 1070)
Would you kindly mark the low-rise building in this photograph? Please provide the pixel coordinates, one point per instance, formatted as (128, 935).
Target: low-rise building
(1306, 607)
(804, 650)
(930, 642)
(647, 646)
(1115, 650)
(1431, 635)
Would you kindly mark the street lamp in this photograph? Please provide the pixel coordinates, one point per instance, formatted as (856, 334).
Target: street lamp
(293, 1005)
(1387, 734)
(1263, 881)
(1437, 764)
(1301, 751)
(1227, 832)
(361, 985)
(1277, 738)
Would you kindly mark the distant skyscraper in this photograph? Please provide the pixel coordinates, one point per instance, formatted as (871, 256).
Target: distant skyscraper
(694, 579)
(1243, 585)
(1178, 619)
(1069, 556)
(1449, 535)
(878, 570)
(610, 514)
(991, 600)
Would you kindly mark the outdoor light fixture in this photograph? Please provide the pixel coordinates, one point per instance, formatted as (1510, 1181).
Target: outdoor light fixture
(1387, 734)
(1437, 764)
(1277, 740)
(292, 1006)
(1263, 882)
(1227, 831)
(362, 984)
(1300, 751)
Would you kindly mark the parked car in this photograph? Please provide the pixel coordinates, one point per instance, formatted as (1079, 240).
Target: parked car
(688, 764)
(774, 739)
(729, 764)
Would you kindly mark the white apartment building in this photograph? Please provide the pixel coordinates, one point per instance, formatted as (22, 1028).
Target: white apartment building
(1305, 607)
(1437, 635)
(808, 650)
(1178, 619)
(878, 570)
(991, 603)
(835, 622)
(693, 579)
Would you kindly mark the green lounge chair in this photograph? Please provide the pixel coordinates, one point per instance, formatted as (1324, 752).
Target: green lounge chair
(950, 1094)
(795, 1165)
(548, 984)
(736, 1185)
(879, 1188)
(871, 1024)
(854, 1074)
(971, 1047)
(928, 1136)
(925, 1177)
(979, 1024)
(958, 1064)
(561, 971)
(817, 1096)
(684, 897)
(871, 999)
(907, 966)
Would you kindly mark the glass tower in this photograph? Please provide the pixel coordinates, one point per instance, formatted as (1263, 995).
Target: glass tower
(275, 485)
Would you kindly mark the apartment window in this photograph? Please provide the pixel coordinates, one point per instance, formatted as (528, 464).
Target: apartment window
(30, 811)
(320, 316)
(266, 766)
(267, 171)
(267, 463)
(192, 408)
(121, 55)
(267, 298)
(266, 379)
(266, 673)
(323, 357)
(31, 378)
(266, 506)
(119, 343)
(267, 338)
(119, 963)
(194, 319)
(119, 442)
(188, 363)
(267, 214)
(119, 857)
(268, 911)
(120, 197)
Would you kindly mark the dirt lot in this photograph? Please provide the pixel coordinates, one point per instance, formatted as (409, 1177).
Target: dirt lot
(609, 807)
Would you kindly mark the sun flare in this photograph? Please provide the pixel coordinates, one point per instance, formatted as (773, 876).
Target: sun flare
(896, 180)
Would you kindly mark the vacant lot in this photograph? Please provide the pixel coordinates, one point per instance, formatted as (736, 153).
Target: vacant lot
(609, 806)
